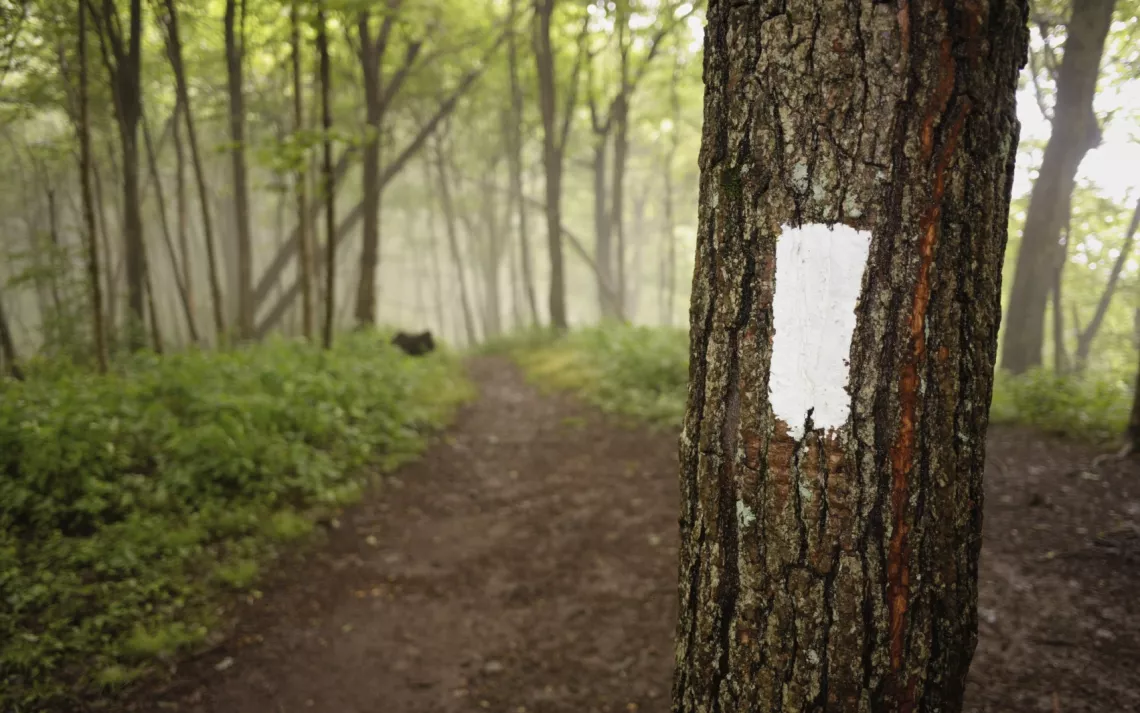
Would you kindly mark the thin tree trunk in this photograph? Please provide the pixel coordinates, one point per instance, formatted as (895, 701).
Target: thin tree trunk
(1087, 335)
(174, 52)
(304, 236)
(512, 253)
(1075, 132)
(669, 288)
(603, 234)
(1133, 432)
(370, 239)
(389, 171)
(453, 243)
(620, 115)
(433, 240)
(187, 285)
(105, 235)
(493, 308)
(637, 246)
(123, 59)
(54, 265)
(98, 332)
(235, 50)
(8, 345)
(327, 174)
(846, 300)
(152, 308)
(168, 239)
(514, 164)
(551, 159)
(1060, 356)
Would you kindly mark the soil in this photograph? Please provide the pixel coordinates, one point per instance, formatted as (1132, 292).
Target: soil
(528, 563)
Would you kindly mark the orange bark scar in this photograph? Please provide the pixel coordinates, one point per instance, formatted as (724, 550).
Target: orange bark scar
(902, 452)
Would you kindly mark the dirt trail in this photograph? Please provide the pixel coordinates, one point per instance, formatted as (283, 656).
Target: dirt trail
(528, 563)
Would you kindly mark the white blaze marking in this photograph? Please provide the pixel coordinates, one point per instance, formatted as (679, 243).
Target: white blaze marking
(819, 271)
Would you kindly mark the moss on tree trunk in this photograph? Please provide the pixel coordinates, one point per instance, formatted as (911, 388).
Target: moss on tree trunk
(838, 572)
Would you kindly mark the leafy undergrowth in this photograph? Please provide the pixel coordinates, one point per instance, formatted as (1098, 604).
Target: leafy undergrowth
(130, 503)
(1093, 408)
(642, 372)
(639, 372)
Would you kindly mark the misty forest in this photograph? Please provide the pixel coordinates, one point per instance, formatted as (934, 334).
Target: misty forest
(570, 355)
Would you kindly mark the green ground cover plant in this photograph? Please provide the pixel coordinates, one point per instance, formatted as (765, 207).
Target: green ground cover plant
(129, 503)
(642, 372)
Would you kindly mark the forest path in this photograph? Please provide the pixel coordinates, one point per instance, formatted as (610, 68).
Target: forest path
(528, 564)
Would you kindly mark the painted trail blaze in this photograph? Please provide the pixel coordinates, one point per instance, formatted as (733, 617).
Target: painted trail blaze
(819, 272)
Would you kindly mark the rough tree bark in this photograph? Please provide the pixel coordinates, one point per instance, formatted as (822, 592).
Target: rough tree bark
(833, 444)
(235, 50)
(1075, 133)
(327, 176)
(92, 238)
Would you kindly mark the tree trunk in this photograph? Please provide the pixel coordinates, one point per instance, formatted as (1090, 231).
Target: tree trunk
(492, 259)
(1075, 132)
(168, 239)
(388, 172)
(370, 238)
(1088, 334)
(174, 53)
(55, 265)
(1060, 356)
(132, 232)
(123, 57)
(152, 308)
(98, 332)
(856, 167)
(235, 49)
(551, 160)
(603, 245)
(514, 164)
(304, 235)
(453, 244)
(620, 115)
(327, 175)
(8, 345)
(1133, 420)
(105, 237)
(433, 241)
(637, 247)
(183, 229)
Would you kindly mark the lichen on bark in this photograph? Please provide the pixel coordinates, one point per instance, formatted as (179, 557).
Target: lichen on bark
(838, 572)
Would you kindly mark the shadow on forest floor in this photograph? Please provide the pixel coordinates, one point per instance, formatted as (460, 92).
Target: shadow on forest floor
(527, 563)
